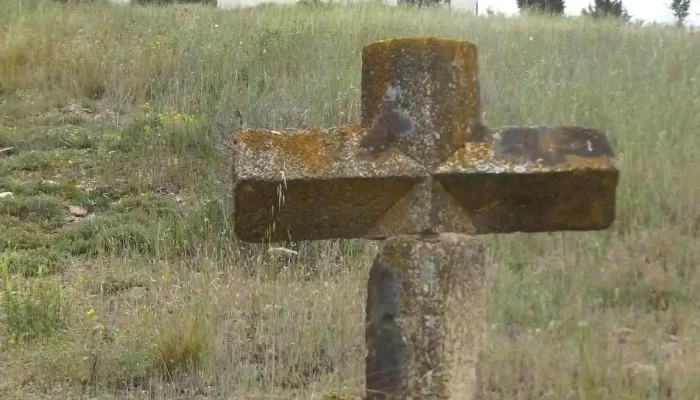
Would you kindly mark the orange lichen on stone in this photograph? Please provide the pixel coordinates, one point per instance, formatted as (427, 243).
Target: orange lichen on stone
(259, 140)
(314, 149)
(307, 147)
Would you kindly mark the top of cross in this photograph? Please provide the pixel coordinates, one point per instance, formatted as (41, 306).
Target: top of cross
(420, 162)
(430, 84)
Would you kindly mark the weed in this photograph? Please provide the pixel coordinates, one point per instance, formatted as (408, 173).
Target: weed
(41, 210)
(182, 343)
(32, 310)
(34, 262)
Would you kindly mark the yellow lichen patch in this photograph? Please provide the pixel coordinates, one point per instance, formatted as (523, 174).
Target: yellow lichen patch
(313, 149)
(577, 162)
(470, 154)
(416, 44)
(257, 139)
(307, 147)
(350, 130)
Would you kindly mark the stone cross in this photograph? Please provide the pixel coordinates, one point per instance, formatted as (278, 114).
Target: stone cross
(423, 175)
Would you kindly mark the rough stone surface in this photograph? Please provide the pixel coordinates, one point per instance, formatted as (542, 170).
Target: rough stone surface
(433, 83)
(420, 162)
(425, 319)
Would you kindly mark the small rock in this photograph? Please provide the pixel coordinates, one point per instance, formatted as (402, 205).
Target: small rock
(3, 195)
(77, 211)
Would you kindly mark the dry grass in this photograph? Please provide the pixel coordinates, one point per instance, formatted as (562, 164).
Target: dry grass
(126, 112)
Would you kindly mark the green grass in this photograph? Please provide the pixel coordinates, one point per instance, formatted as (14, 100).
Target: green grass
(128, 112)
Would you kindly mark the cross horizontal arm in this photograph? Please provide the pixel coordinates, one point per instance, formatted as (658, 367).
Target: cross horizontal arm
(531, 179)
(315, 184)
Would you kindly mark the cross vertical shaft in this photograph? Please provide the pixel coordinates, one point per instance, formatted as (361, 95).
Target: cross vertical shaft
(425, 321)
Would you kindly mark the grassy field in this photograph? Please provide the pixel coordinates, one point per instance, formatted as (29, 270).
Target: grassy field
(140, 290)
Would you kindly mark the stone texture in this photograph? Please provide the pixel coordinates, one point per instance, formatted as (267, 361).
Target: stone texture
(421, 162)
(311, 185)
(425, 319)
(431, 81)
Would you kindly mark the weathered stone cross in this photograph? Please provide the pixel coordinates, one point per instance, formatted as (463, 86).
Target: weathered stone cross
(423, 175)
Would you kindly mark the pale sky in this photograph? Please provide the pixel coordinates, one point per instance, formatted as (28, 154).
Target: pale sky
(648, 10)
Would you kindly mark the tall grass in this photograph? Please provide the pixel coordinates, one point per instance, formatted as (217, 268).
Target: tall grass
(127, 112)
